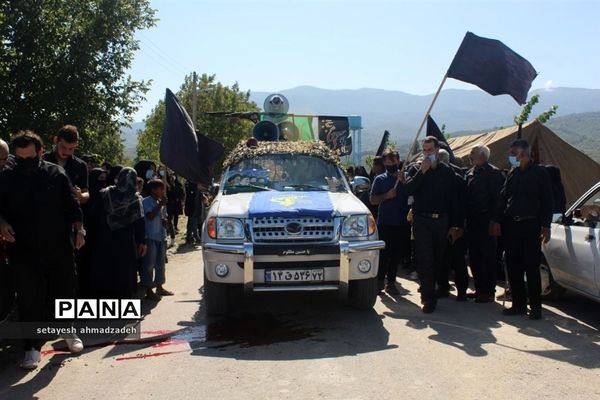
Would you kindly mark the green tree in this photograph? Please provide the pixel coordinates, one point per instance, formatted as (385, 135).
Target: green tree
(212, 96)
(524, 115)
(527, 108)
(65, 61)
(546, 115)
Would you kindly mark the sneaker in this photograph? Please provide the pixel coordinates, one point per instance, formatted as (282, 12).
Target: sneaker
(163, 292)
(391, 289)
(74, 344)
(472, 295)
(31, 360)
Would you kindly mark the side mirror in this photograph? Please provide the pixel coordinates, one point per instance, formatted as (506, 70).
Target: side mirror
(360, 184)
(214, 189)
(558, 218)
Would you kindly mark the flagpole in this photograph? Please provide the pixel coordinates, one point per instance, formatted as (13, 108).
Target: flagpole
(194, 98)
(414, 143)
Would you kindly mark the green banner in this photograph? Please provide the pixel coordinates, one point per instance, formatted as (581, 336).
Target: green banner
(292, 128)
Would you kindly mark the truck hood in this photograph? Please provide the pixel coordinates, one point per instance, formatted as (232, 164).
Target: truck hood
(238, 205)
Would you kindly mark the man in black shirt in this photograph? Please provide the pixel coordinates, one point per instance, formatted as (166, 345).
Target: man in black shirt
(523, 218)
(377, 169)
(65, 143)
(437, 218)
(7, 292)
(484, 182)
(38, 212)
(192, 210)
(455, 255)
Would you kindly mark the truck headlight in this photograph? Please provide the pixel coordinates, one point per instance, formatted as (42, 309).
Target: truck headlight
(230, 228)
(356, 226)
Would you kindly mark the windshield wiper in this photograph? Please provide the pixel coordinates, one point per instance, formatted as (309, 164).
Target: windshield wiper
(260, 187)
(235, 189)
(304, 186)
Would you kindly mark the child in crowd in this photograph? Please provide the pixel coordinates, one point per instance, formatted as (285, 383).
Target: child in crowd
(156, 234)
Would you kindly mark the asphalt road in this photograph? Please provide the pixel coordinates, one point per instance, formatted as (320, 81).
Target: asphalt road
(312, 346)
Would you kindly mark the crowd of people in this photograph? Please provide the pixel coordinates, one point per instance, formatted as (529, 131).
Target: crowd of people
(71, 229)
(438, 218)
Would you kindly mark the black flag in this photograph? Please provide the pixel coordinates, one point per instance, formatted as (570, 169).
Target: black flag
(494, 67)
(383, 144)
(434, 130)
(188, 153)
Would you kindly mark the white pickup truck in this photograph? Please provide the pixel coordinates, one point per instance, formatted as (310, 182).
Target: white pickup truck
(285, 219)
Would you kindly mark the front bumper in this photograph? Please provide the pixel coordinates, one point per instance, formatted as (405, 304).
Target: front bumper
(242, 258)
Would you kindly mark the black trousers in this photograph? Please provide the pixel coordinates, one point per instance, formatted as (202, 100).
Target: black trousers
(430, 245)
(397, 246)
(38, 285)
(482, 254)
(7, 290)
(454, 259)
(523, 256)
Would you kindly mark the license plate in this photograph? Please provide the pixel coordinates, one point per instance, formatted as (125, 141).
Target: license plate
(294, 275)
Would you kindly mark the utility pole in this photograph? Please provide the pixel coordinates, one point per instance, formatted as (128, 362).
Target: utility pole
(194, 98)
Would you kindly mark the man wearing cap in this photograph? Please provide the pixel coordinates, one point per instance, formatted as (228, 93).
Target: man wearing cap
(523, 218)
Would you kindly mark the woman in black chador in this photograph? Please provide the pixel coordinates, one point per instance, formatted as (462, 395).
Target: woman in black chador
(118, 238)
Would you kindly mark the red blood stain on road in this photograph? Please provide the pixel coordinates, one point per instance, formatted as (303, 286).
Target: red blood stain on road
(148, 355)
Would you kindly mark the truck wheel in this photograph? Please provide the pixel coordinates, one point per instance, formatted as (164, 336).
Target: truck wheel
(216, 297)
(363, 293)
(550, 289)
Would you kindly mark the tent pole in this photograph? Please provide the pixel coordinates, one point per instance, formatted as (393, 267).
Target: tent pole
(414, 143)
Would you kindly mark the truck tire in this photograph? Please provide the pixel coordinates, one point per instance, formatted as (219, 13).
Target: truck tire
(216, 297)
(363, 293)
(550, 289)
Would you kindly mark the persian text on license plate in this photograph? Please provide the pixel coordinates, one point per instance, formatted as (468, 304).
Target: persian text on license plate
(295, 275)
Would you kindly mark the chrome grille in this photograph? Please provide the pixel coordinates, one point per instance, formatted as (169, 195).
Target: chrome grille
(273, 229)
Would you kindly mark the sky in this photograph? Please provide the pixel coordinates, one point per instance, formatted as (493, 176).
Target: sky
(395, 45)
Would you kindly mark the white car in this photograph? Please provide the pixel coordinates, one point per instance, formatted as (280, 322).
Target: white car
(572, 256)
(284, 219)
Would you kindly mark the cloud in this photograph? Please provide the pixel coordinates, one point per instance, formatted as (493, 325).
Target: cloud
(549, 85)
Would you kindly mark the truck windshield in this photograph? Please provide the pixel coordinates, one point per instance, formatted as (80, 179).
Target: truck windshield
(284, 172)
